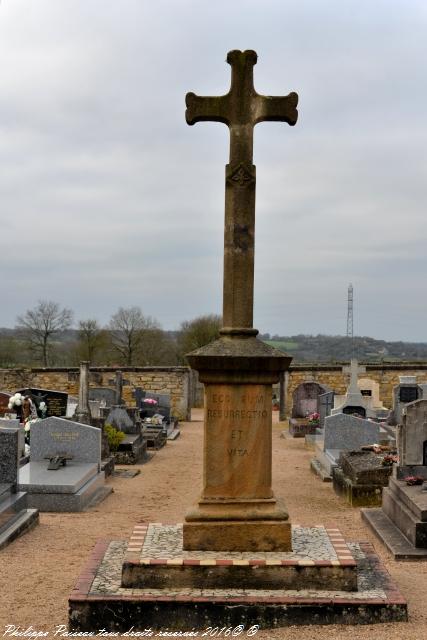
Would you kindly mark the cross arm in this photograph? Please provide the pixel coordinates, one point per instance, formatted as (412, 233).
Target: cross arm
(279, 109)
(206, 108)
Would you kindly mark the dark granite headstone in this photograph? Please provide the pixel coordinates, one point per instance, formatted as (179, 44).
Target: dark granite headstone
(408, 394)
(354, 411)
(9, 456)
(119, 418)
(56, 401)
(103, 394)
(138, 394)
(326, 404)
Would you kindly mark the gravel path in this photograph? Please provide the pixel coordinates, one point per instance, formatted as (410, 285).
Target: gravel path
(38, 571)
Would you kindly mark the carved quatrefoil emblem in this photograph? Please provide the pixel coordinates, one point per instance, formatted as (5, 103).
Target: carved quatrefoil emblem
(240, 175)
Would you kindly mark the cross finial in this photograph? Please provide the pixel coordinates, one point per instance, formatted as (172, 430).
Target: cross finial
(242, 107)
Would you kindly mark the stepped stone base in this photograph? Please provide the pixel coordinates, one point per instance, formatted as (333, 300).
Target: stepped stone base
(98, 595)
(155, 558)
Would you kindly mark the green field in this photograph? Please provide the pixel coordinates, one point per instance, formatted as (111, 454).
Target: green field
(283, 345)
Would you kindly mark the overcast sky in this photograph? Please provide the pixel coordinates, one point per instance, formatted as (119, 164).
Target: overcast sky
(108, 198)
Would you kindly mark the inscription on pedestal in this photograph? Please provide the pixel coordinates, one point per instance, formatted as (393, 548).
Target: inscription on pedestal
(238, 441)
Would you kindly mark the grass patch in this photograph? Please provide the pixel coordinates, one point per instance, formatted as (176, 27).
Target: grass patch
(283, 345)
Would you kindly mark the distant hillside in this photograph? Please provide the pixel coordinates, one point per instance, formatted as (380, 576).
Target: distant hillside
(337, 348)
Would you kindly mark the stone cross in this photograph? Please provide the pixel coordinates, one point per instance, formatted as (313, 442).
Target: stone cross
(240, 109)
(354, 369)
(237, 509)
(82, 413)
(119, 388)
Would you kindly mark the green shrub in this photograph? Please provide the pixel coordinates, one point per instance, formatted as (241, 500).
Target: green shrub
(114, 436)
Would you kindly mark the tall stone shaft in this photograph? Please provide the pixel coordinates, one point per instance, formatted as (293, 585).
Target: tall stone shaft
(82, 413)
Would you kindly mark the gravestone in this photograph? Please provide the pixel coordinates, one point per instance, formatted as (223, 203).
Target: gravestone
(15, 424)
(347, 432)
(15, 517)
(354, 402)
(75, 484)
(105, 395)
(56, 401)
(119, 418)
(401, 523)
(4, 401)
(305, 399)
(405, 392)
(133, 448)
(326, 403)
(342, 432)
(82, 412)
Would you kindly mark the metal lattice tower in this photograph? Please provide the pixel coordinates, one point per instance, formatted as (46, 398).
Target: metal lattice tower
(350, 312)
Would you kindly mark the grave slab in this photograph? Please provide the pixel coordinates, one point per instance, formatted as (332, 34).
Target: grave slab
(35, 477)
(75, 485)
(360, 478)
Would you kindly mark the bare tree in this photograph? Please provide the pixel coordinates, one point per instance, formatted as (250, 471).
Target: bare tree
(92, 339)
(39, 325)
(130, 329)
(198, 332)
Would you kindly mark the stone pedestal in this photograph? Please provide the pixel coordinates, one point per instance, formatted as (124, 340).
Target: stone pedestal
(237, 510)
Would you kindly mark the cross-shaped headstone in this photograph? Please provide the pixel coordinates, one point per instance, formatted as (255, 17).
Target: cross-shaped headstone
(241, 109)
(354, 369)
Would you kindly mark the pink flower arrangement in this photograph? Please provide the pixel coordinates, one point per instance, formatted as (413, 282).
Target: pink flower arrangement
(413, 480)
(389, 459)
(151, 401)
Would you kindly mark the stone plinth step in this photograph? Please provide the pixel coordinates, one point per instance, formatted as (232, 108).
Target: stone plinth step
(174, 434)
(320, 471)
(404, 519)
(391, 536)
(21, 523)
(155, 559)
(99, 596)
(413, 497)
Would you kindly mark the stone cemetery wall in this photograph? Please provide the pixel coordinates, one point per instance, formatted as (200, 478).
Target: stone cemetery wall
(186, 392)
(175, 381)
